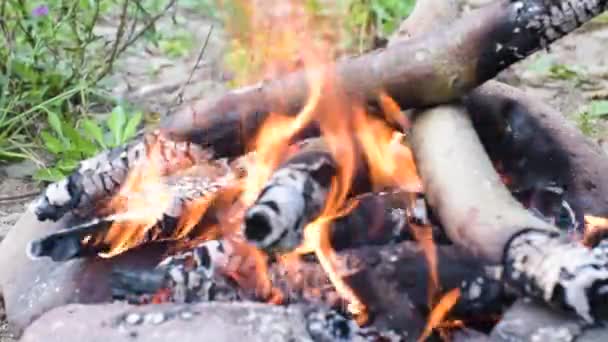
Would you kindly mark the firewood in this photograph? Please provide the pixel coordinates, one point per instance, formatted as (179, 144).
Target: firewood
(480, 216)
(88, 238)
(472, 51)
(542, 146)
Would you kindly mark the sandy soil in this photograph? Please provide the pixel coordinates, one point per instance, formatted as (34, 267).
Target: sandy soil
(156, 90)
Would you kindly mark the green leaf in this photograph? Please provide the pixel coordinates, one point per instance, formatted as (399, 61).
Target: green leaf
(131, 127)
(67, 165)
(48, 175)
(78, 142)
(93, 129)
(116, 122)
(598, 108)
(541, 65)
(55, 122)
(54, 145)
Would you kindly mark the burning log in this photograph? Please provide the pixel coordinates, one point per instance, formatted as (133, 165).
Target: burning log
(194, 209)
(479, 215)
(473, 50)
(293, 197)
(487, 41)
(100, 177)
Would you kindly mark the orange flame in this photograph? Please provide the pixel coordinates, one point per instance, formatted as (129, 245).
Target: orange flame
(280, 39)
(446, 303)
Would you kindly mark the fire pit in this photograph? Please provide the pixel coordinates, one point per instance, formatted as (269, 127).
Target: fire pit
(476, 214)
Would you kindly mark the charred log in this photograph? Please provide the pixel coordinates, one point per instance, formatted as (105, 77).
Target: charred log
(480, 215)
(537, 145)
(293, 197)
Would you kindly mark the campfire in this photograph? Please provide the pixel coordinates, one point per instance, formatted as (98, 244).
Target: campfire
(391, 194)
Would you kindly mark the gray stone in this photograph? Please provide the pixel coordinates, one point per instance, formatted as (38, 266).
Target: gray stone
(32, 287)
(224, 322)
(530, 321)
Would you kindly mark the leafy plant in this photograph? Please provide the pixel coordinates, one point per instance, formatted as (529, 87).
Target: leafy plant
(50, 51)
(588, 118)
(71, 143)
(547, 65)
(372, 19)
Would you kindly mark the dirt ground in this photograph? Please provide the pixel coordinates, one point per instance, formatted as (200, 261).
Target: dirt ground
(583, 51)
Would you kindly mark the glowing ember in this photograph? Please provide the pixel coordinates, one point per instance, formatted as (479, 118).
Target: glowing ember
(440, 312)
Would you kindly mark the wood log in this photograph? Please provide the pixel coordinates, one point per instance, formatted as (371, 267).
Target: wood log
(296, 194)
(442, 65)
(480, 216)
(199, 196)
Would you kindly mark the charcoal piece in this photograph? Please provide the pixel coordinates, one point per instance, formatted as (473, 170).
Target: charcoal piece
(329, 325)
(382, 218)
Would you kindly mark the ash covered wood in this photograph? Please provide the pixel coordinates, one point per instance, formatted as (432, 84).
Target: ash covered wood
(527, 320)
(294, 196)
(391, 279)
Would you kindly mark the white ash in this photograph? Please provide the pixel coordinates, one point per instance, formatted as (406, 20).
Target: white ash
(560, 272)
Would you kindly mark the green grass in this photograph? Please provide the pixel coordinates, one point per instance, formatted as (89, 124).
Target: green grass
(52, 65)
